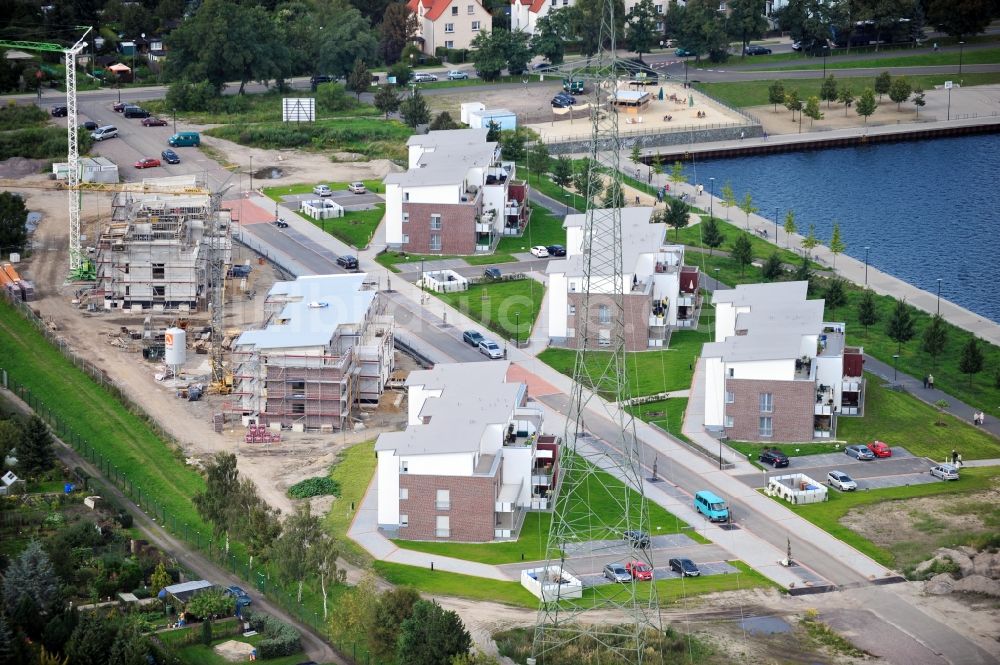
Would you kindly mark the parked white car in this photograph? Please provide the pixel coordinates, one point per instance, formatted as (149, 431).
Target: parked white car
(945, 471)
(357, 188)
(540, 251)
(841, 481)
(322, 190)
(490, 349)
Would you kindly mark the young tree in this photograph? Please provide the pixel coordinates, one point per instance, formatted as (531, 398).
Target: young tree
(867, 311)
(431, 635)
(776, 94)
(635, 155)
(401, 72)
(538, 157)
(828, 91)
(835, 295)
(935, 338)
(35, 455)
(866, 104)
(360, 78)
(677, 177)
(159, 578)
(443, 120)
(748, 207)
(13, 220)
(562, 171)
(414, 110)
(804, 273)
(588, 182)
(218, 504)
(31, 576)
(392, 608)
(971, 361)
(900, 91)
(711, 235)
(387, 100)
(812, 111)
(742, 252)
(493, 131)
(676, 215)
(354, 614)
(919, 101)
(323, 553)
(810, 242)
(900, 327)
(728, 197)
(793, 103)
(845, 96)
(512, 144)
(790, 227)
(837, 245)
(773, 267)
(614, 197)
(883, 83)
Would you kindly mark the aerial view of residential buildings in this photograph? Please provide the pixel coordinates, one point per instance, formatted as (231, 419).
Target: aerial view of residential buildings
(423, 332)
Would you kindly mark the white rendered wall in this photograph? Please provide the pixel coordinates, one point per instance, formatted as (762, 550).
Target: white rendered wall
(393, 214)
(388, 488)
(558, 305)
(715, 392)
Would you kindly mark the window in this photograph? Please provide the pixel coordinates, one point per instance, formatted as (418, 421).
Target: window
(572, 309)
(435, 241)
(449, 27)
(404, 493)
(404, 466)
(604, 314)
(604, 338)
(443, 526)
(475, 26)
(659, 9)
(158, 271)
(454, 11)
(126, 269)
(435, 222)
(406, 239)
(449, 44)
(727, 421)
(730, 397)
(766, 427)
(297, 386)
(732, 372)
(553, 3)
(406, 196)
(570, 332)
(443, 500)
(766, 402)
(298, 408)
(406, 217)
(159, 291)
(404, 520)
(471, 9)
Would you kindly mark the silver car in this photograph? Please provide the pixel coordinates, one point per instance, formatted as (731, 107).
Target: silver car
(841, 481)
(322, 190)
(859, 452)
(490, 349)
(945, 471)
(616, 573)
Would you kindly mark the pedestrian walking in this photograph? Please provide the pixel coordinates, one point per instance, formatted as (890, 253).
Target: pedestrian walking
(959, 460)
(930, 381)
(637, 199)
(701, 189)
(742, 134)
(954, 456)
(925, 381)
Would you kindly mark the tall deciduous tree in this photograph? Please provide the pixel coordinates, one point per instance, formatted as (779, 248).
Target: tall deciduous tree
(414, 110)
(393, 608)
(354, 614)
(676, 215)
(971, 360)
(586, 18)
(899, 326)
(35, 455)
(300, 531)
(711, 235)
(346, 37)
(588, 182)
(776, 94)
(792, 102)
(360, 78)
(13, 220)
(935, 338)
(552, 31)
(746, 20)
(398, 26)
(489, 53)
(900, 91)
(866, 104)
(323, 553)
(867, 310)
(217, 505)
(728, 197)
(828, 91)
(640, 27)
(960, 18)
(562, 171)
(742, 252)
(837, 245)
(431, 635)
(538, 157)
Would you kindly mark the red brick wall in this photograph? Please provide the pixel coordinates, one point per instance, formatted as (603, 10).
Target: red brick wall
(792, 418)
(472, 512)
(458, 227)
(637, 308)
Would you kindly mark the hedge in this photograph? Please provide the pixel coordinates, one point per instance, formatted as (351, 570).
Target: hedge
(280, 639)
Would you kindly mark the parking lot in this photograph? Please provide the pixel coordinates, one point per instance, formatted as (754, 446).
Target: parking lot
(350, 202)
(902, 469)
(664, 573)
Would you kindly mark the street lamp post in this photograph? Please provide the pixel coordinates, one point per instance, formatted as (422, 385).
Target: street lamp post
(939, 296)
(251, 159)
(175, 131)
(711, 200)
(567, 203)
(517, 329)
(716, 279)
(961, 48)
(895, 357)
(824, 63)
(775, 225)
(685, 73)
(866, 266)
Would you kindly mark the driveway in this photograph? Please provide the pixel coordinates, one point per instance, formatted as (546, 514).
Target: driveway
(903, 468)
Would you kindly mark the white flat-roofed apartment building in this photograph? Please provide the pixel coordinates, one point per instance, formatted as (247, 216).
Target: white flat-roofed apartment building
(776, 371)
(326, 346)
(457, 196)
(471, 460)
(660, 292)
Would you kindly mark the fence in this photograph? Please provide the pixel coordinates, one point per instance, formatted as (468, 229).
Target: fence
(218, 551)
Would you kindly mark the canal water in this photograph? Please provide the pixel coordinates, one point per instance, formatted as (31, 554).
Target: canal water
(927, 209)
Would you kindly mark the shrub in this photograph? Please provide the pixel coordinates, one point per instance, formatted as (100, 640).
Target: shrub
(441, 52)
(40, 143)
(457, 55)
(280, 639)
(334, 97)
(19, 117)
(319, 486)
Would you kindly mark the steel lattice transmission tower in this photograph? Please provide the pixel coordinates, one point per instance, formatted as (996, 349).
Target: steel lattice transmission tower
(591, 471)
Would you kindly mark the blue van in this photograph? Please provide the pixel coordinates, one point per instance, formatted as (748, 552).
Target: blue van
(711, 506)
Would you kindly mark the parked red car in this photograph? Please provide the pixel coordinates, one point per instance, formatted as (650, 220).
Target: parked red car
(154, 122)
(147, 163)
(119, 107)
(880, 449)
(639, 571)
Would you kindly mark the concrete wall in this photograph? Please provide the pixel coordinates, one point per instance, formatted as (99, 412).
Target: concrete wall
(666, 138)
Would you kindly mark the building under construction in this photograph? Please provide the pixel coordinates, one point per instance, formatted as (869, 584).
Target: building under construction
(156, 251)
(326, 346)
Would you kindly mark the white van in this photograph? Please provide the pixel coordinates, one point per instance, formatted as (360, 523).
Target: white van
(105, 132)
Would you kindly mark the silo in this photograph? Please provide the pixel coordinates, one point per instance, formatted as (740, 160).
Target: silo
(175, 342)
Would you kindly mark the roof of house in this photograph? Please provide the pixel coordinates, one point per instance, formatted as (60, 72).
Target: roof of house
(432, 8)
(316, 306)
(801, 317)
(639, 236)
(446, 157)
(770, 292)
(738, 348)
(473, 396)
(535, 5)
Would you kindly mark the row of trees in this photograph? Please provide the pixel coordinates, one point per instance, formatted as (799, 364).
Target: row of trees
(899, 90)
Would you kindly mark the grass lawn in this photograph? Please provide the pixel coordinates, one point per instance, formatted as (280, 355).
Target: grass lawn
(353, 469)
(356, 227)
(604, 494)
(436, 582)
(970, 57)
(391, 259)
(371, 137)
(275, 193)
(762, 249)
(500, 305)
(900, 419)
(543, 229)
(754, 93)
(826, 515)
(668, 414)
(199, 654)
(650, 372)
(680, 589)
(254, 107)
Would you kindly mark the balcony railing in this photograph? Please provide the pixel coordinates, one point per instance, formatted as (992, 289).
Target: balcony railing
(442, 505)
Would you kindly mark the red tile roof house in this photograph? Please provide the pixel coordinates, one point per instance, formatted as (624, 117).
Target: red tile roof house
(449, 23)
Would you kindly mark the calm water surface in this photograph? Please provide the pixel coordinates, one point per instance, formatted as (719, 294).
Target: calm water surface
(927, 210)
